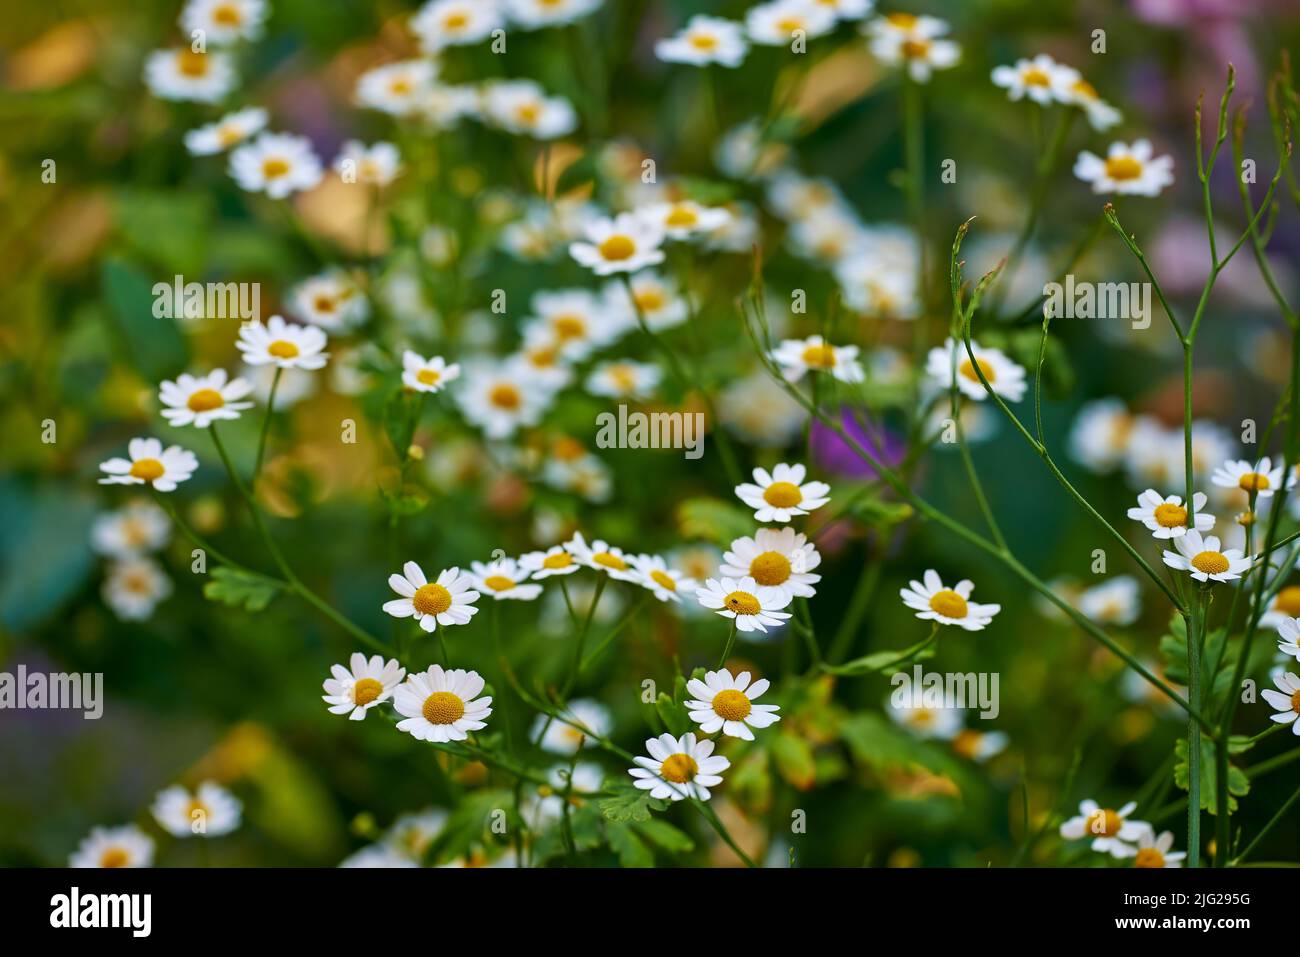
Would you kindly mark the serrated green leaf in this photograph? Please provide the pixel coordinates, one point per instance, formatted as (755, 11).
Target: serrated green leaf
(629, 803)
(882, 660)
(665, 835)
(1238, 783)
(240, 589)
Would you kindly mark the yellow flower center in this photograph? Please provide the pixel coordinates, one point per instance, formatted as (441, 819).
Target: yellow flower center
(1295, 702)
(681, 217)
(915, 49)
(274, 167)
(1036, 77)
(569, 326)
(205, 400)
(663, 580)
(948, 603)
(731, 705)
(227, 15)
(617, 248)
(1288, 600)
(366, 690)
(229, 135)
(782, 495)
(966, 743)
(770, 568)
(1123, 168)
(789, 24)
(431, 599)
(704, 41)
(609, 560)
(679, 768)
(968, 370)
(505, 396)
(650, 300)
(443, 707)
(499, 582)
(283, 349)
(399, 87)
(1084, 89)
(1171, 516)
(427, 377)
(147, 469)
(528, 113)
(819, 356)
(196, 810)
(456, 21)
(903, 21)
(1253, 482)
(743, 603)
(1149, 857)
(114, 857)
(324, 303)
(623, 377)
(191, 63)
(1212, 563)
(558, 560)
(1104, 823)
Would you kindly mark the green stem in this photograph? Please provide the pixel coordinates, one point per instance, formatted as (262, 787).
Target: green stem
(726, 648)
(266, 424)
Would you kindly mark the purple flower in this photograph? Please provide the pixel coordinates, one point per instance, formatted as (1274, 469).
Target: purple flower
(836, 456)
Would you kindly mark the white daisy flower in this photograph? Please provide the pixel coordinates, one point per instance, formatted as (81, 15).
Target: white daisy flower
(779, 22)
(331, 300)
(184, 74)
(447, 601)
(1154, 851)
(1167, 517)
(1127, 170)
(202, 400)
(501, 397)
(503, 578)
(775, 559)
(940, 724)
(137, 528)
(903, 39)
(739, 234)
(231, 130)
(626, 243)
(679, 768)
(1288, 627)
(364, 684)
(1041, 79)
(624, 379)
(658, 300)
(554, 561)
(1258, 477)
(412, 834)
(1113, 602)
(276, 164)
(845, 10)
(1112, 831)
(666, 583)
(797, 357)
(878, 288)
(723, 702)
(442, 706)
(523, 108)
(126, 846)
(1101, 115)
(442, 107)
(377, 856)
(979, 746)
(551, 734)
(282, 344)
(427, 375)
(601, 556)
(705, 40)
(210, 811)
(1287, 702)
(933, 601)
(831, 237)
(575, 321)
(151, 464)
(781, 494)
(1205, 560)
(1005, 377)
(760, 411)
(224, 21)
(753, 606)
(375, 165)
(1100, 436)
(684, 219)
(444, 23)
(134, 586)
(398, 89)
(585, 475)
(536, 14)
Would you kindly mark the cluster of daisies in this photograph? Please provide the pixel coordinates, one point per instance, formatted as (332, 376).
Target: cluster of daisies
(208, 811)
(128, 537)
(1118, 834)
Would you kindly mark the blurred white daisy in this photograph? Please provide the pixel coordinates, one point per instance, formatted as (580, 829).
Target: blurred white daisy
(601, 556)
(626, 243)
(126, 846)
(1288, 628)
(781, 22)
(536, 14)
(231, 130)
(210, 811)
(136, 528)
(442, 107)
(1127, 170)
(1005, 377)
(1286, 700)
(624, 379)
(979, 746)
(444, 23)
(576, 321)
(277, 164)
(1112, 831)
(684, 219)
(1101, 115)
(523, 107)
(725, 702)
(503, 578)
(559, 737)
(1154, 851)
(427, 375)
(753, 606)
(934, 601)
(364, 684)
(942, 724)
(501, 397)
(1100, 436)
(781, 559)
(665, 582)
(398, 89)
(798, 357)
(757, 409)
(331, 299)
(914, 42)
(1113, 602)
(1205, 559)
(781, 494)
(1041, 79)
(224, 21)
(134, 586)
(377, 856)
(447, 601)
(412, 834)
(657, 299)
(185, 74)
(1167, 517)
(282, 344)
(202, 400)
(374, 165)
(679, 768)
(442, 706)
(705, 40)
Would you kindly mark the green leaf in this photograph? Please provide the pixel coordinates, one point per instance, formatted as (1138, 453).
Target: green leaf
(240, 589)
(1218, 654)
(674, 715)
(629, 803)
(169, 228)
(717, 521)
(1238, 783)
(879, 513)
(665, 835)
(881, 660)
(155, 345)
(794, 760)
(631, 851)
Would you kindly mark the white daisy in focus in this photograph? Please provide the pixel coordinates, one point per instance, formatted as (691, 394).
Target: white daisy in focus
(444, 23)
(679, 768)
(375, 165)
(797, 357)
(1113, 602)
(1005, 377)
(447, 601)
(624, 379)
(554, 561)
(137, 528)
(781, 22)
(1205, 559)
(442, 706)
(1154, 851)
(1112, 831)
(536, 14)
(934, 601)
(427, 375)
(224, 21)
(331, 299)
(1126, 170)
(523, 108)
(725, 702)
(782, 494)
(1258, 477)
(1167, 517)
(915, 42)
(282, 344)
(501, 397)
(231, 130)
(705, 40)
(1288, 627)
(126, 846)
(940, 724)
(502, 578)
(184, 74)
(601, 556)
(363, 685)
(559, 737)
(1041, 79)
(201, 400)
(1286, 700)
(780, 559)
(398, 89)
(134, 586)
(665, 582)
(753, 606)
(684, 219)
(150, 464)
(626, 243)
(1101, 115)
(277, 164)
(210, 811)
